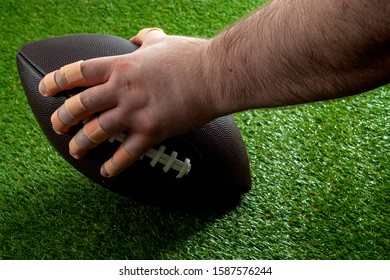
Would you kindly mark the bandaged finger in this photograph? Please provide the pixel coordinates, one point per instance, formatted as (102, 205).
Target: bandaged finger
(68, 77)
(119, 162)
(69, 114)
(87, 138)
(139, 38)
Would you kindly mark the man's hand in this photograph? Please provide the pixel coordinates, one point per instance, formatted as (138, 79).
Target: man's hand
(153, 93)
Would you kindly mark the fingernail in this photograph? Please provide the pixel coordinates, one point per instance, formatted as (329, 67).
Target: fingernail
(56, 124)
(42, 88)
(76, 156)
(103, 172)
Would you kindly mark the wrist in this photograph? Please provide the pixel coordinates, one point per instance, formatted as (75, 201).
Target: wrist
(227, 76)
(202, 81)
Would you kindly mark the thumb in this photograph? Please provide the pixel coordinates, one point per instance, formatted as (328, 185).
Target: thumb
(147, 34)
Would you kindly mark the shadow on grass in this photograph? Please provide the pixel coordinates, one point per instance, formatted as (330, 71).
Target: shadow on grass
(81, 220)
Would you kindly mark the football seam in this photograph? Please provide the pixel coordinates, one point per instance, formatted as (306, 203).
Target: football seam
(25, 59)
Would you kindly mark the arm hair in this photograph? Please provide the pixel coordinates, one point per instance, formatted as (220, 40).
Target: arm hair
(298, 51)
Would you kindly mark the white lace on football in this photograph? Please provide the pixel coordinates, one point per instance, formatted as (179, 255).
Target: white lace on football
(158, 156)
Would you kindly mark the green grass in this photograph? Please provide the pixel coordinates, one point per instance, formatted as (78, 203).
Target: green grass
(320, 172)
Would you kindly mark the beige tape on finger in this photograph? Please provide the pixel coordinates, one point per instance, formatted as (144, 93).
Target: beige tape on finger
(58, 126)
(94, 131)
(68, 77)
(48, 85)
(80, 144)
(69, 114)
(72, 76)
(138, 39)
(145, 31)
(75, 150)
(119, 162)
(76, 108)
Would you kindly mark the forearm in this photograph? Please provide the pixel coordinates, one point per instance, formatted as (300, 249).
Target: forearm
(296, 51)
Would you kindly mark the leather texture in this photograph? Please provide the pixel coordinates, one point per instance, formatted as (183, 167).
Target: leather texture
(220, 171)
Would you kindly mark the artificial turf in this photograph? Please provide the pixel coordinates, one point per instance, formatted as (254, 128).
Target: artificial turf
(320, 171)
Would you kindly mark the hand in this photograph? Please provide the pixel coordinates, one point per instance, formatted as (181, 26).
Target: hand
(156, 92)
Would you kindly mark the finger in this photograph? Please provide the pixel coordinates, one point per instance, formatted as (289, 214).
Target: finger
(87, 138)
(70, 113)
(132, 148)
(69, 76)
(153, 32)
(119, 162)
(81, 73)
(96, 131)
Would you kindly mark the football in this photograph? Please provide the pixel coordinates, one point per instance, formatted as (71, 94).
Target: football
(205, 168)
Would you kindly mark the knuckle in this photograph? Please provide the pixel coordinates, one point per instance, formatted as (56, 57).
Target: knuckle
(124, 63)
